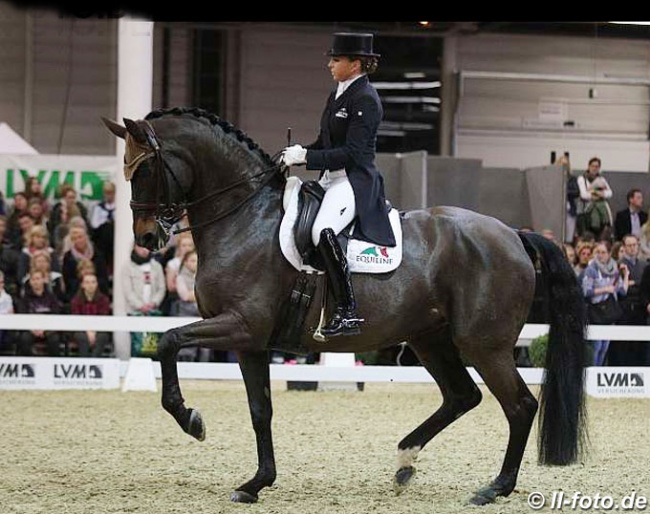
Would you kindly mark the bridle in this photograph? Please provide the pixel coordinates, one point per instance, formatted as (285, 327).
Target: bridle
(166, 211)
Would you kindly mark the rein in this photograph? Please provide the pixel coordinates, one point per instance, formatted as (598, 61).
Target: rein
(235, 207)
(168, 212)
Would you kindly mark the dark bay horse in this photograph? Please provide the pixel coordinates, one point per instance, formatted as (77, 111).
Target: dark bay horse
(460, 297)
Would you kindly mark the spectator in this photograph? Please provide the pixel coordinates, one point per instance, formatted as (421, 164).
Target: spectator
(184, 244)
(6, 307)
(42, 261)
(63, 246)
(631, 219)
(37, 240)
(81, 248)
(34, 189)
(102, 225)
(9, 258)
(603, 278)
(594, 213)
(144, 288)
(618, 251)
(644, 241)
(35, 209)
(63, 211)
(143, 281)
(570, 254)
(627, 353)
(38, 300)
(14, 233)
(572, 196)
(85, 267)
(25, 223)
(185, 280)
(89, 300)
(584, 250)
(187, 305)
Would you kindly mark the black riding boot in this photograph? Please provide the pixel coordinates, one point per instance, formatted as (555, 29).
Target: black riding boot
(345, 320)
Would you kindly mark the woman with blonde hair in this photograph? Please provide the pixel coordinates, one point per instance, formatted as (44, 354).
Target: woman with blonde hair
(41, 261)
(37, 240)
(67, 208)
(82, 248)
(184, 244)
(604, 280)
(644, 241)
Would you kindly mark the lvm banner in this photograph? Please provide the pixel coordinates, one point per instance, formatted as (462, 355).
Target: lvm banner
(86, 173)
(618, 382)
(52, 373)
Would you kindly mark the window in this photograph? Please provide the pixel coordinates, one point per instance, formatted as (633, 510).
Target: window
(408, 82)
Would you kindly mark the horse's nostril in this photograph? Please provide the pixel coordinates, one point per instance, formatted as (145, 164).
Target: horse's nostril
(147, 240)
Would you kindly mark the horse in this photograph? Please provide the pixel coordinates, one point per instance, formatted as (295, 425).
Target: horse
(459, 298)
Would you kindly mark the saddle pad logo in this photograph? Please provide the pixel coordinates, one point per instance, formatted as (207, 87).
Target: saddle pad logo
(375, 254)
(343, 113)
(372, 250)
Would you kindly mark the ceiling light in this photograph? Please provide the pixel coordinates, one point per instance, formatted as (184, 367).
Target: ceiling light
(630, 22)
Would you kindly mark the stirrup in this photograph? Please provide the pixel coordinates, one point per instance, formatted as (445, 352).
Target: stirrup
(342, 326)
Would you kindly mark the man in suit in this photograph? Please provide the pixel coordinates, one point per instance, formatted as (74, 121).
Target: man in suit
(630, 219)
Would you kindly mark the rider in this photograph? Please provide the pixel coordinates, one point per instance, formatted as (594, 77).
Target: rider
(345, 154)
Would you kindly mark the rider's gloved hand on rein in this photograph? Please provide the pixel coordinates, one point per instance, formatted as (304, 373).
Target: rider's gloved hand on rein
(295, 154)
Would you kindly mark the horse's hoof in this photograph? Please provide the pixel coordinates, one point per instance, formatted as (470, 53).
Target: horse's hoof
(242, 497)
(402, 479)
(196, 428)
(483, 497)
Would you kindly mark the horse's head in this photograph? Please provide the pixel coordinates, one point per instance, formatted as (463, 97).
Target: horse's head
(157, 193)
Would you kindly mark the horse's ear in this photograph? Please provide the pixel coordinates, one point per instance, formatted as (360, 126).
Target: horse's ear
(117, 129)
(135, 130)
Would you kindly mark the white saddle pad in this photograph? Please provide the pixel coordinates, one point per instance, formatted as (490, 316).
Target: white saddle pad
(363, 257)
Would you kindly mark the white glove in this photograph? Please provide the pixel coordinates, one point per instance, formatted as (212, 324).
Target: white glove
(295, 154)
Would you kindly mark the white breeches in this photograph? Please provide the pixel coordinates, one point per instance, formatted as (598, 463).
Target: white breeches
(338, 208)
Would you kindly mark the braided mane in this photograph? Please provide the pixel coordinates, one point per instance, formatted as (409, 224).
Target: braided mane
(225, 126)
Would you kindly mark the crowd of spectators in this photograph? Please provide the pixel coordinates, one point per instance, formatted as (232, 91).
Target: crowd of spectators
(58, 259)
(609, 253)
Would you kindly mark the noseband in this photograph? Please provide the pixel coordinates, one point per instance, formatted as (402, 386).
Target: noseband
(165, 210)
(168, 212)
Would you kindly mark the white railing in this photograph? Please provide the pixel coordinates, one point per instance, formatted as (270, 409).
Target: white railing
(73, 322)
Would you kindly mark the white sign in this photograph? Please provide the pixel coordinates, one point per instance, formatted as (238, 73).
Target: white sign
(59, 373)
(86, 173)
(552, 111)
(618, 382)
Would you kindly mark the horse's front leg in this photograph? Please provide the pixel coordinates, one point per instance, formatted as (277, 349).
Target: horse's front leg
(223, 332)
(255, 370)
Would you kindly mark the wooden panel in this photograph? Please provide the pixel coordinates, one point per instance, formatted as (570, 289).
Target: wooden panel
(12, 66)
(518, 121)
(74, 84)
(285, 83)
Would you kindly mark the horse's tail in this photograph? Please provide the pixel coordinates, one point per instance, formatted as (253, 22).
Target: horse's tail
(562, 418)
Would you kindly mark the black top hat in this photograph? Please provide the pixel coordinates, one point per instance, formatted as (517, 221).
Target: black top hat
(352, 44)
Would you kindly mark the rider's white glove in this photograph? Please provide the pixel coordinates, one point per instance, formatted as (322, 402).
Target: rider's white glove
(295, 154)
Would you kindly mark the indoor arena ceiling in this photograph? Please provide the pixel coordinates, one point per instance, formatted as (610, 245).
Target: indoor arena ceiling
(444, 28)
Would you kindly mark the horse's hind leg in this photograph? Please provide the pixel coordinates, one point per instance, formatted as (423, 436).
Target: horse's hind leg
(500, 375)
(172, 400)
(460, 394)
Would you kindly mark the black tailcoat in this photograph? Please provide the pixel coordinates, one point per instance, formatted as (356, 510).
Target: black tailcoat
(347, 140)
